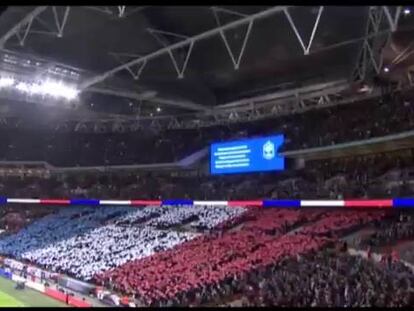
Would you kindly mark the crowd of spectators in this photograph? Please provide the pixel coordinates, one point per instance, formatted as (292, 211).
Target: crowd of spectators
(83, 241)
(254, 257)
(15, 217)
(321, 127)
(198, 217)
(181, 256)
(210, 267)
(334, 224)
(378, 175)
(398, 228)
(326, 279)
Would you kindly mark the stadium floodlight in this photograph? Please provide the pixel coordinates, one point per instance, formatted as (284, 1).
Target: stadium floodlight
(47, 88)
(23, 87)
(6, 82)
(57, 89)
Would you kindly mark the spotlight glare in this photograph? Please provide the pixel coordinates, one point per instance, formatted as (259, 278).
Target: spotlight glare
(158, 109)
(407, 11)
(48, 88)
(23, 87)
(386, 69)
(6, 81)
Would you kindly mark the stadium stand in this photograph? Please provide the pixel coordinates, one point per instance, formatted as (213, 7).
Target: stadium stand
(188, 267)
(96, 240)
(340, 124)
(132, 217)
(397, 228)
(345, 177)
(148, 254)
(328, 280)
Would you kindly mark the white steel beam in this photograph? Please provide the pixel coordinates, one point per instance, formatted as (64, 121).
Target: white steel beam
(139, 70)
(117, 55)
(104, 10)
(140, 67)
(121, 10)
(307, 47)
(377, 66)
(283, 94)
(119, 93)
(315, 27)
(183, 43)
(26, 32)
(24, 22)
(393, 21)
(370, 58)
(235, 60)
(155, 99)
(154, 32)
(180, 71)
(218, 9)
(129, 12)
(403, 55)
(60, 24)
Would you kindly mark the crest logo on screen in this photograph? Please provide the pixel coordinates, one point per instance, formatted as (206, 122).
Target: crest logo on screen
(268, 150)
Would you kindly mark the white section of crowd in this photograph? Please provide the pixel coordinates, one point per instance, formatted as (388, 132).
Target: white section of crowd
(207, 217)
(84, 241)
(105, 248)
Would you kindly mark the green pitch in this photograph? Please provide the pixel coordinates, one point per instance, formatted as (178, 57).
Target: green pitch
(10, 297)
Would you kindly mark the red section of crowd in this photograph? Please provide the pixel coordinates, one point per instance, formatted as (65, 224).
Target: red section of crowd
(271, 221)
(209, 261)
(340, 221)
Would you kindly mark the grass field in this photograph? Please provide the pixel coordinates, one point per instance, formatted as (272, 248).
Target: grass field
(10, 297)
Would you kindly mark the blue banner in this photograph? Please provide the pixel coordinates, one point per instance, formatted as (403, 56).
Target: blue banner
(84, 202)
(248, 155)
(5, 274)
(281, 203)
(177, 202)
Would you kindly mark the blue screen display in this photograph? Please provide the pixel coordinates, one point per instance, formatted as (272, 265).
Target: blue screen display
(248, 155)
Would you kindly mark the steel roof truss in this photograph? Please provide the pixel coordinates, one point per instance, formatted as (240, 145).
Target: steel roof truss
(121, 10)
(104, 9)
(140, 67)
(26, 21)
(392, 20)
(22, 38)
(60, 22)
(223, 10)
(183, 43)
(370, 56)
(235, 61)
(129, 12)
(180, 71)
(134, 73)
(306, 48)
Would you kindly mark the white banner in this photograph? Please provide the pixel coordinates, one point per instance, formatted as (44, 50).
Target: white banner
(36, 286)
(17, 278)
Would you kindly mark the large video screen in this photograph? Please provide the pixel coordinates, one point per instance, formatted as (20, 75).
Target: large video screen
(246, 156)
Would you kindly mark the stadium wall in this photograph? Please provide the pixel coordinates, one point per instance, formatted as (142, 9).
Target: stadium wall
(75, 285)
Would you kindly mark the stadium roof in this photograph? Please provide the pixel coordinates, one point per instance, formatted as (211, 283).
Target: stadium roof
(163, 60)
